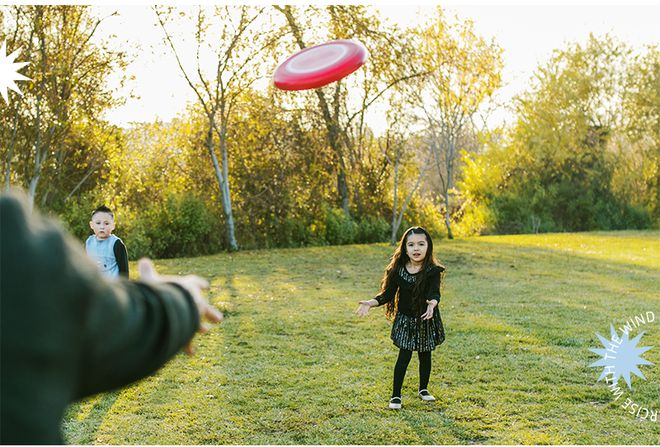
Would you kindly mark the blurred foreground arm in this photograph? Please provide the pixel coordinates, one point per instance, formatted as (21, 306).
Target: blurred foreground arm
(67, 332)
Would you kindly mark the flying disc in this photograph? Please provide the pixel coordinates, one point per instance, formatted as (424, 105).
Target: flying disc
(320, 65)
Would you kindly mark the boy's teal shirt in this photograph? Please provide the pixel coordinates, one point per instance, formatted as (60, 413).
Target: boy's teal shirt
(67, 332)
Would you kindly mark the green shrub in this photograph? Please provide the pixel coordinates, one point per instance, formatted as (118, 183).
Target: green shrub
(291, 232)
(340, 229)
(181, 225)
(636, 217)
(372, 229)
(477, 219)
(184, 227)
(76, 214)
(137, 241)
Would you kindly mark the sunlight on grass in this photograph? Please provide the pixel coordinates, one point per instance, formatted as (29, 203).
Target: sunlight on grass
(292, 364)
(640, 248)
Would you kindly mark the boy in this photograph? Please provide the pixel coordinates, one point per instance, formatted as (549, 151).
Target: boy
(105, 248)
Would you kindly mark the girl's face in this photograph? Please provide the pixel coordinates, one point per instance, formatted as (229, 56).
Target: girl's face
(416, 246)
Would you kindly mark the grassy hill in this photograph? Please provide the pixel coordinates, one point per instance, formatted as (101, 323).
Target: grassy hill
(292, 364)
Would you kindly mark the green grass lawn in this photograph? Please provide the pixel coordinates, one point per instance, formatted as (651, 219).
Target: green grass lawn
(292, 364)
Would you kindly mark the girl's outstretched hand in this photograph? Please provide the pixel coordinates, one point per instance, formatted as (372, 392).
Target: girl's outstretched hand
(363, 309)
(430, 305)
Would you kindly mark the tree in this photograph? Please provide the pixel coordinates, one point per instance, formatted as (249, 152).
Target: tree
(283, 176)
(583, 152)
(343, 120)
(228, 34)
(637, 174)
(398, 148)
(55, 130)
(464, 70)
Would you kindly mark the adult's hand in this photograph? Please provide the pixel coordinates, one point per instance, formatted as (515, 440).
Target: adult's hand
(193, 284)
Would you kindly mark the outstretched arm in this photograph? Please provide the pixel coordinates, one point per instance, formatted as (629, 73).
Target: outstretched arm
(68, 332)
(386, 296)
(363, 308)
(59, 310)
(433, 297)
(133, 328)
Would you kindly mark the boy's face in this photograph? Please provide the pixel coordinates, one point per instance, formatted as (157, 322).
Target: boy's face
(102, 224)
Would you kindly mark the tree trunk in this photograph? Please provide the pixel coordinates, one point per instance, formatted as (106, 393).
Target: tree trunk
(10, 152)
(34, 181)
(8, 169)
(226, 196)
(342, 186)
(32, 190)
(224, 190)
(335, 144)
(450, 169)
(330, 122)
(450, 235)
(89, 172)
(404, 207)
(395, 227)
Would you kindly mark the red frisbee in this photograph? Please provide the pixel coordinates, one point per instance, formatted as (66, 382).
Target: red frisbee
(320, 65)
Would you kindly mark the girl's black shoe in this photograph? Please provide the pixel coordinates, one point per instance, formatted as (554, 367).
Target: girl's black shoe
(425, 395)
(395, 403)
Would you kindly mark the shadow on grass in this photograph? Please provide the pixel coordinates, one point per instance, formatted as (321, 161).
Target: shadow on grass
(458, 432)
(519, 321)
(84, 430)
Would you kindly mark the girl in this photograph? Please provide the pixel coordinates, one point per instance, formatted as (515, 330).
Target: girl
(411, 290)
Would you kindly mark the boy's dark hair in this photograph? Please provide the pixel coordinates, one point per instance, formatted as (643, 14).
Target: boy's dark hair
(103, 209)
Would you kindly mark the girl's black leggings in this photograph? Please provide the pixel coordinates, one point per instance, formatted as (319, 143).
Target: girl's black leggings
(402, 365)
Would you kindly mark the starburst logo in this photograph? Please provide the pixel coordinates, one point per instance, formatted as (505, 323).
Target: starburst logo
(9, 72)
(621, 356)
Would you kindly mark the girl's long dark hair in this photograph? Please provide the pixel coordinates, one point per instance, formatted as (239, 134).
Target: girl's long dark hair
(398, 260)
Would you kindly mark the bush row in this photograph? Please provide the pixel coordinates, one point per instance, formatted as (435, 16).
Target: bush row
(184, 225)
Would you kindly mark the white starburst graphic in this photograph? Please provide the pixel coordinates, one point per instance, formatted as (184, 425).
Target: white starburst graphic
(9, 72)
(621, 356)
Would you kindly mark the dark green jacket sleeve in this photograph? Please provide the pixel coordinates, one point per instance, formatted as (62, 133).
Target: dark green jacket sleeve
(66, 331)
(130, 330)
